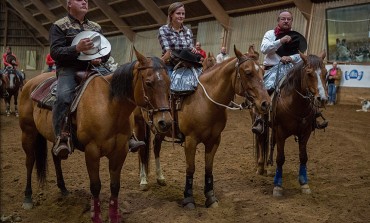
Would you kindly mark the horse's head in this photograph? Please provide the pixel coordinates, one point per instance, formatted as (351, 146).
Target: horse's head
(314, 77)
(151, 90)
(250, 76)
(209, 61)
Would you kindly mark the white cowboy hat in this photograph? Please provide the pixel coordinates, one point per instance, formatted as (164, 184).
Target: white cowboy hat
(101, 47)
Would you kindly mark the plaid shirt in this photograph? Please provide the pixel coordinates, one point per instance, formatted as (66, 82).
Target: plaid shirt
(173, 40)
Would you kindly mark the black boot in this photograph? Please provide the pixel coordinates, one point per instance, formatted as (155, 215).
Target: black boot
(134, 145)
(257, 127)
(319, 125)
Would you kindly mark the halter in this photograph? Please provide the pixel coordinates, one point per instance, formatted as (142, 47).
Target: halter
(149, 108)
(247, 96)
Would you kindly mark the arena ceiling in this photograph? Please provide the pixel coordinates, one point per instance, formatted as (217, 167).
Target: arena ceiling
(26, 22)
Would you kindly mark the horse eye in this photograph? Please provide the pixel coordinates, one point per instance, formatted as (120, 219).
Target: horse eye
(149, 83)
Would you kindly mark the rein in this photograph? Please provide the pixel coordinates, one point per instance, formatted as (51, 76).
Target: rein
(239, 107)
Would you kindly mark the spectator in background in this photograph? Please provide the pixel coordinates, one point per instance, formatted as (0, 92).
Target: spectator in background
(333, 81)
(200, 51)
(50, 62)
(11, 62)
(222, 55)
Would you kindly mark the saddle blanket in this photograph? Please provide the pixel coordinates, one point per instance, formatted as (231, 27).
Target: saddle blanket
(184, 80)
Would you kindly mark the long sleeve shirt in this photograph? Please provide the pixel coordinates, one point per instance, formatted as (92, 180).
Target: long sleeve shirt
(6, 63)
(170, 39)
(62, 33)
(269, 46)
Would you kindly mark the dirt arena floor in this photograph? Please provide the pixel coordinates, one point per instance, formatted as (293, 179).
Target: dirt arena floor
(338, 170)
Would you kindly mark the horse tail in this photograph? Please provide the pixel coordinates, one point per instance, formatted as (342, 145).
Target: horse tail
(41, 158)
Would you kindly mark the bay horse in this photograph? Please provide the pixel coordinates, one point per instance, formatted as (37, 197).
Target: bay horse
(12, 87)
(294, 109)
(102, 125)
(203, 117)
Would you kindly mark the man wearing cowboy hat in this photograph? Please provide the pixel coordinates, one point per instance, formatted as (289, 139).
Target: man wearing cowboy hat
(282, 45)
(76, 43)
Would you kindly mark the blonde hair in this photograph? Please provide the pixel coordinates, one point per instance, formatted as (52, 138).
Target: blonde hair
(173, 7)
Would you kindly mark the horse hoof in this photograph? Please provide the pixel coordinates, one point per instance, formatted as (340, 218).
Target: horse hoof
(305, 189)
(161, 182)
(211, 201)
(213, 205)
(277, 192)
(27, 206)
(144, 187)
(260, 171)
(190, 206)
(188, 203)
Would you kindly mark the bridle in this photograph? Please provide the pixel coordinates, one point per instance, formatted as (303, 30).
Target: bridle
(247, 96)
(149, 107)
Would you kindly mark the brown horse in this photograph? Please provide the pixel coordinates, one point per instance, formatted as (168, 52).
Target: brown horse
(102, 124)
(294, 110)
(203, 117)
(209, 61)
(12, 87)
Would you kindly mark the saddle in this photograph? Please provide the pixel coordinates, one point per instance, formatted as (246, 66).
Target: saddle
(45, 93)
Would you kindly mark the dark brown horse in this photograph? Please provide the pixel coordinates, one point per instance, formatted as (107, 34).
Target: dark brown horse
(102, 124)
(203, 117)
(12, 87)
(294, 109)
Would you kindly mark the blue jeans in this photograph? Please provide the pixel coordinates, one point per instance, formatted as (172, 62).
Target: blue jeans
(65, 91)
(332, 93)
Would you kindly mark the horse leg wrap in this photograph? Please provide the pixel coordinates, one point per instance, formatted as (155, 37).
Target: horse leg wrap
(211, 198)
(95, 211)
(278, 179)
(188, 187)
(208, 183)
(114, 215)
(303, 174)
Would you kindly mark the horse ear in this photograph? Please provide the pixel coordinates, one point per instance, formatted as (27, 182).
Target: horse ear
(142, 59)
(237, 52)
(209, 54)
(304, 57)
(251, 49)
(322, 54)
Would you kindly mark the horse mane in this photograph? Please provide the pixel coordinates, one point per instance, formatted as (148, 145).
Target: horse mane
(121, 84)
(294, 76)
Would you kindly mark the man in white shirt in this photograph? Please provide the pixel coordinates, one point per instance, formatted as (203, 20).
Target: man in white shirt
(222, 56)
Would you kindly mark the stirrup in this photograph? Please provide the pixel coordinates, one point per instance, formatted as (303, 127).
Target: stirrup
(322, 125)
(62, 144)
